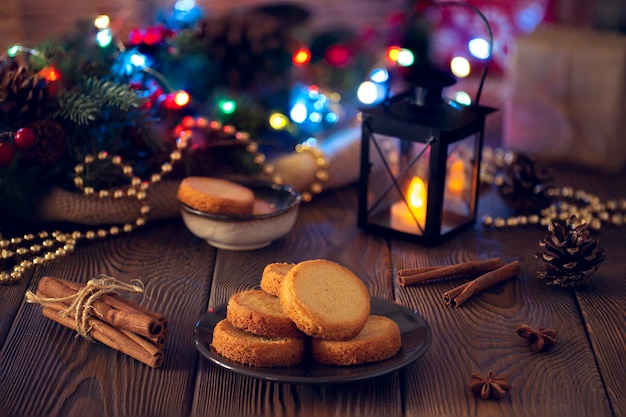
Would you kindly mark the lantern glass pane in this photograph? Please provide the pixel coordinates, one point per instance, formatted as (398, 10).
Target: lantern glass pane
(461, 170)
(398, 183)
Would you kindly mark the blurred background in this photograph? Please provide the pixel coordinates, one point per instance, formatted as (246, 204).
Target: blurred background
(31, 21)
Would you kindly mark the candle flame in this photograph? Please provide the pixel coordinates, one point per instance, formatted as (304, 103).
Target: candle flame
(456, 177)
(417, 193)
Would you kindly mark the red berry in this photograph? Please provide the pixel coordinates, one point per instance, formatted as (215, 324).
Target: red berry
(6, 153)
(24, 138)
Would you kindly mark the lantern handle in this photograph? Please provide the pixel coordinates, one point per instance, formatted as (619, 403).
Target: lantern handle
(489, 32)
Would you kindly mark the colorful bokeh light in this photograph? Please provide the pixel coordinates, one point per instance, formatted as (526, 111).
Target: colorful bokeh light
(460, 66)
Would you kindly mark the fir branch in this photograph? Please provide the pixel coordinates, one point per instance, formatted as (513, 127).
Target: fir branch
(110, 94)
(79, 108)
(86, 105)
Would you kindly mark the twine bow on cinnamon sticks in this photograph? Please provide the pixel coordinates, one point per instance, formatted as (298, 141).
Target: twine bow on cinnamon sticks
(491, 272)
(96, 311)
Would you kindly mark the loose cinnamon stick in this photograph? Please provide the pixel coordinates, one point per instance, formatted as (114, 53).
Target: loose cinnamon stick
(418, 275)
(462, 293)
(450, 295)
(121, 341)
(120, 313)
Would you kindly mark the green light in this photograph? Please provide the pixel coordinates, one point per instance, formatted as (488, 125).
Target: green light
(12, 51)
(227, 106)
(405, 58)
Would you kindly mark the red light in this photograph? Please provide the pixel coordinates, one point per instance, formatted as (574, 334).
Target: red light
(392, 53)
(152, 36)
(135, 37)
(181, 98)
(301, 57)
(50, 73)
(337, 55)
(188, 122)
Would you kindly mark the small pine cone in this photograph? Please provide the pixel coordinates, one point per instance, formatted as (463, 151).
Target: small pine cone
(23, 94)
(571, 256)
(522, 185)
(50, 142)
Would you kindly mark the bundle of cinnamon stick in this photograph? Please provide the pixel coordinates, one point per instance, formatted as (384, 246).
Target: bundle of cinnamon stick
(108, 318)
(491, 272)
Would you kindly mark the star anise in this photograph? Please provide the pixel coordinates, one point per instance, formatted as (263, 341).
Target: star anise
(538, 339)
(490, 386)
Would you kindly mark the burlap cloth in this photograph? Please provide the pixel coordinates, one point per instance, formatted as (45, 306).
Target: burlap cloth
(341, 151)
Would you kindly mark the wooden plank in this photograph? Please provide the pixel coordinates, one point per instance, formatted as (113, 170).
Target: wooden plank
(480, 336)
(325, 229)
(602, 306)
(601, 302)
(69, 376)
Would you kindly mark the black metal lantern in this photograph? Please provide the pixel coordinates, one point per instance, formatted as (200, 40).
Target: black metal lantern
(420, 161)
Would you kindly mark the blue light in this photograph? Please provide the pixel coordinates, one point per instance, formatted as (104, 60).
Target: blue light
(332, 117)
(184, 5)
(298, 113)
(315, 117)
(319, 105)
(528, 18)
(379, 75)
(184, 14)
(138, 60)
(479, 48)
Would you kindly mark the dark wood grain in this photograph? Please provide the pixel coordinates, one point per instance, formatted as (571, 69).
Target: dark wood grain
(77, 375)
(46, 370)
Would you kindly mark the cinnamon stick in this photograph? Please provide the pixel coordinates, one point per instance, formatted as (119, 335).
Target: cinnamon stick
(418, 275)
(450, 295)
(131, 345)
(462, 293)
(120, 313)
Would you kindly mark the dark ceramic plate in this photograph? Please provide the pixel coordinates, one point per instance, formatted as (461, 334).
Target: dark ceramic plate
(416, 338)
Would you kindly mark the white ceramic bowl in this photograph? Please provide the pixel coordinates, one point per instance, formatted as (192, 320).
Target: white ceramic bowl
(247, 232)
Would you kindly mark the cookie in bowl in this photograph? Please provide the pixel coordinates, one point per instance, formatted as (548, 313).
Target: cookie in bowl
(242, 214)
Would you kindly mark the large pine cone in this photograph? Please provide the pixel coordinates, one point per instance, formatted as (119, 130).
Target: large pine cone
(23, 93)
(571, 255)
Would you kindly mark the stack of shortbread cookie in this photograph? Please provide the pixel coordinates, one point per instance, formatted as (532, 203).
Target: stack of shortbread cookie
(316, 301)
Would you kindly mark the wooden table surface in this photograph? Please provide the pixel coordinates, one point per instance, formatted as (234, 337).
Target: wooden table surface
(46, 371)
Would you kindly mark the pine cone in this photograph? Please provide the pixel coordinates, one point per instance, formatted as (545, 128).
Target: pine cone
(23, 93)
(251, 49)
(522, 185)
(571, 255)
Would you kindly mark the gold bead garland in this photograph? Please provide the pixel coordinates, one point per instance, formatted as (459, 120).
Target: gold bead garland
(58, 244)
(321, 175)
(259, 158)
(587, 207)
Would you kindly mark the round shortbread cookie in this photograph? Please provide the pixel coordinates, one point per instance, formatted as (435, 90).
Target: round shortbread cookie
(325, 299)
(260, 313)
(380, 339)
(215, 195)
(247, 348)
(273, 275)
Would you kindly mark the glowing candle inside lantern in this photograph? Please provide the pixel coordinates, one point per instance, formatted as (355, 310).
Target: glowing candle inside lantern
(403, 217)
(456, 177)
